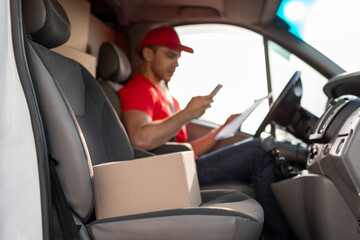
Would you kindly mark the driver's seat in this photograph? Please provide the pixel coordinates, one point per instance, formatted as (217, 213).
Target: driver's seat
(112, 71)
(82, 130)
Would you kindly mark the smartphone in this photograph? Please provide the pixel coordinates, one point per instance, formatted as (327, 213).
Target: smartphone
(216, 89)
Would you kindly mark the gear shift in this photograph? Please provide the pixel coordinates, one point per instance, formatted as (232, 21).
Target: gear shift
(269, 145)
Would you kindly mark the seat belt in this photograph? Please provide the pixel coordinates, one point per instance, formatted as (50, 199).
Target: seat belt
(66, 220)
(164, 87)
(169, 97)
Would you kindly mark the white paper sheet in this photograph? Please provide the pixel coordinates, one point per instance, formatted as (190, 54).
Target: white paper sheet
(231, 128)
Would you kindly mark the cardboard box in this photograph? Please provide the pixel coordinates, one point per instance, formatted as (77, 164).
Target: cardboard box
(144, 185)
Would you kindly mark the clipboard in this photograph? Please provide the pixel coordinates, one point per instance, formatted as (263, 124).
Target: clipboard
(231, 128)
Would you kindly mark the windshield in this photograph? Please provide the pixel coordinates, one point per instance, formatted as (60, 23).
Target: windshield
(328, 25)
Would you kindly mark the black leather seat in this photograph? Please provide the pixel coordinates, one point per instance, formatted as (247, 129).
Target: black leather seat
(113, 70)
(82, 130)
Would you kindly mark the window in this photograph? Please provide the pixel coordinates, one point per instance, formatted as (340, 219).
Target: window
(235, 57)
(229, 55)
(283, 65)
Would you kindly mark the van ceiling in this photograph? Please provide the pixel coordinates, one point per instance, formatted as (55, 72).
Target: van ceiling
(124, 13)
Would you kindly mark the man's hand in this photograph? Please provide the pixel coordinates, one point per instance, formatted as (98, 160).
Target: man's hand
(198, 105)
(232, 117)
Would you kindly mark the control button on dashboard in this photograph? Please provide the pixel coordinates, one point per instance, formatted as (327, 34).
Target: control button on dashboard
(326, 149)
(340, 145)
(313, 152)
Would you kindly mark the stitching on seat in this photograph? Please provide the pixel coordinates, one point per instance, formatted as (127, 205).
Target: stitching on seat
(175, 212)
(233, 230)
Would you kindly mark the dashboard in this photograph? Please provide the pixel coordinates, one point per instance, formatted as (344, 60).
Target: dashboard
(335, 149)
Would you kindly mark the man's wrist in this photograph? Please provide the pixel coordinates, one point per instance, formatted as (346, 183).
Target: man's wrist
(186, 115)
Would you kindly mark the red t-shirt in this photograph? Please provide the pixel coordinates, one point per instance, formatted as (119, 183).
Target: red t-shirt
(141, 94)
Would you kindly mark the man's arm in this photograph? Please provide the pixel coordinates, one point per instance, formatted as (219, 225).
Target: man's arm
(147, 134)
(203, 144)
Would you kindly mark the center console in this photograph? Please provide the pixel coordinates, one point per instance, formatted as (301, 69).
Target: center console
(324, 201)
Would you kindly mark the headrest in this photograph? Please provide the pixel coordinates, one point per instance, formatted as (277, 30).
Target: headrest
(113, 64)
(46, 22)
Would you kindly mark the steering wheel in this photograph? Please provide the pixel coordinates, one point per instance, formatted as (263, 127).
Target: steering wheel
(286, 105)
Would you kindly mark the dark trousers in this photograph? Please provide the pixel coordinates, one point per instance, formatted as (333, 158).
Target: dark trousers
(247, 162)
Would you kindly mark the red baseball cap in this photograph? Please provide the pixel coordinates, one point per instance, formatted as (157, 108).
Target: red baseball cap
(165, 36)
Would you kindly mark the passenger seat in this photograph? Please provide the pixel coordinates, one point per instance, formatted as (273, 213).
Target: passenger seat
(82, 130)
